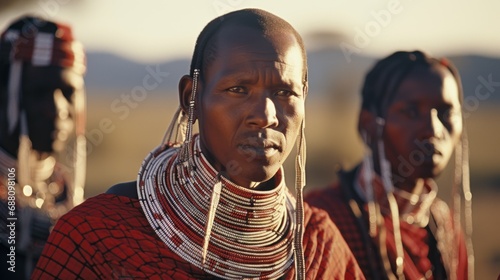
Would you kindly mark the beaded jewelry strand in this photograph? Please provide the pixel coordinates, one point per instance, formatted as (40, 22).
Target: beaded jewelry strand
(252, 232)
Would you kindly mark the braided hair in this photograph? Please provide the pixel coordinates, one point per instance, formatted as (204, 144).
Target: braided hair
(383, 80)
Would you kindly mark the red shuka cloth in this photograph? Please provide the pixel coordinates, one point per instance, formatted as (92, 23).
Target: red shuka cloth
(108, 237)
(416, 240)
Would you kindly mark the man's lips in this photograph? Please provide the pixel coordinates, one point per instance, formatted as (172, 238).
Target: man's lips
(432, 152)
(259, 147)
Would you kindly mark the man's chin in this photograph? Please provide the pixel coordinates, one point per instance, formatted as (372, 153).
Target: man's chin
(249, 176)
(430, 173)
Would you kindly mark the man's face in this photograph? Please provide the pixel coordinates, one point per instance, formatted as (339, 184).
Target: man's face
(47, 98)
(251, 103)
(423, 123)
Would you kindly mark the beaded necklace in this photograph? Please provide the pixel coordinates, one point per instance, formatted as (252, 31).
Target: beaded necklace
(416, 209)
(252, 232)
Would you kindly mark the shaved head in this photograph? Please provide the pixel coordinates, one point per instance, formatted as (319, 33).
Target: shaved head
(206, 49)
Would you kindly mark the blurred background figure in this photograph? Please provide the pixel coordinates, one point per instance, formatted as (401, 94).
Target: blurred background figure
(42, 142)
(343, 40)
(387, 207)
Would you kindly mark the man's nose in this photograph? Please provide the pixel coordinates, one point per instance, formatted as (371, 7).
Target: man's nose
(262, 112)
(433, 126)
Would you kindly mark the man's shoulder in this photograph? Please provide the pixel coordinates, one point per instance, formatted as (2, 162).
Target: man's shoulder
(102, 212)
(127, 189)
(120, 198)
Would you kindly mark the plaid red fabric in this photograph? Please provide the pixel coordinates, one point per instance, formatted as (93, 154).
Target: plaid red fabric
(332, 200)
(109, 237)
(421, 253)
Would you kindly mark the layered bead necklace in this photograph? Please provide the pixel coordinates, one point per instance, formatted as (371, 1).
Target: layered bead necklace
(250, 234)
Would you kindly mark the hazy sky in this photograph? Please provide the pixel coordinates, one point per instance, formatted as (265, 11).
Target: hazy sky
(160, 29)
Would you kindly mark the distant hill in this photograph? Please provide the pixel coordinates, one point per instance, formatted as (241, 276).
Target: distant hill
(474, 69)
(329, 72)
(109, 71)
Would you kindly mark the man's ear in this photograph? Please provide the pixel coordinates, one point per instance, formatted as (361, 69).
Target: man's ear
(185, 89)
(368, 123)
(306, 89)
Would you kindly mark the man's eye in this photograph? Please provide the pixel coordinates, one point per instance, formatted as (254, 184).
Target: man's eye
(239, 90)
(285, 93)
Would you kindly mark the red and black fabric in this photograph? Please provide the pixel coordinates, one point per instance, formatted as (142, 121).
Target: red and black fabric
(109, 237)
(39, 42)
(420, 249)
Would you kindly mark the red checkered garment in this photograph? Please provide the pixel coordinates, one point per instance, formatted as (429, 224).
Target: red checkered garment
(109, 237)
(420, 252)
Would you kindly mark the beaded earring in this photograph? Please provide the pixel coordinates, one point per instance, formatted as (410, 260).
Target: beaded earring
(186, 159)
(186, 152)
(176, 132)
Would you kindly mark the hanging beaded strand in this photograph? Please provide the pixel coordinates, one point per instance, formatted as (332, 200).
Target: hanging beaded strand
(176, 206)
(462, 178)
(467, 204)
(186, 153)
(367, 177)
(385, 170)
(214, 202)
(176, 131)
(299, 209)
